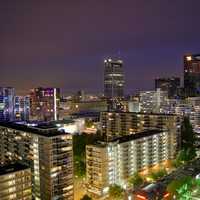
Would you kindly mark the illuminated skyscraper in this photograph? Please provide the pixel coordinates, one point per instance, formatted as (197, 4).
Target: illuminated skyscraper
(7, 103)
(44, 103)
(113, 78)
(192, 75)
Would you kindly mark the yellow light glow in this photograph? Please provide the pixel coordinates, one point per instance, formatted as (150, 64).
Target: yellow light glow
(189, 58)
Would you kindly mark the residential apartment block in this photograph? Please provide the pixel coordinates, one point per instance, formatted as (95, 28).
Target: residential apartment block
(115, 124)
(115, 161)
(47, 151)
(15, 182)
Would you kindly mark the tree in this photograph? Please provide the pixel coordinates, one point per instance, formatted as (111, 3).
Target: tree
(136, 180)
(79, 145)
(177, 187)
(158, 174)
(187, 135)
(86, 197)
(116, 192)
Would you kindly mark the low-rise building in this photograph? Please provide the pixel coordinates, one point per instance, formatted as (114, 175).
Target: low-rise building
(15, 182)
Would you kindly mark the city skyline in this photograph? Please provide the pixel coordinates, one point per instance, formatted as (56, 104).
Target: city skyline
(50, 44)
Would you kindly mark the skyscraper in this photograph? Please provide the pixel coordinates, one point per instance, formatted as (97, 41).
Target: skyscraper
(171, 85)
(7, 103)
(44, 103)
(113, 78)
(192, 75)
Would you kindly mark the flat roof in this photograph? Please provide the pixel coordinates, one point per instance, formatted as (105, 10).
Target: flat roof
(42, 130)
(126, 138)
(11, 168)
(139, 113)
(137, 135)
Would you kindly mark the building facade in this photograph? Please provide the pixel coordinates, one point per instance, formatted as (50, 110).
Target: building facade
(170, 85)
(153, 101)
(15, 182)
(113, 78)
(22, 108)
(44, 104)
(47, 151)
(192, 75)
(114, 162)
(115, 124)
(7, 103)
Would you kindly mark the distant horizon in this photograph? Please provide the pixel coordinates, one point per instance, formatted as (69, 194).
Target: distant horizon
(53, 46)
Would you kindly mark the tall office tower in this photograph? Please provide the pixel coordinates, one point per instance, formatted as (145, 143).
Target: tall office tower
(114, 162)
(7, 103)
(44, 103)
(47, 151)
(171, 85)
(15, 182)
(192, 75)
(116, 124)
(153, 101)
(22, 108)
(113, 79)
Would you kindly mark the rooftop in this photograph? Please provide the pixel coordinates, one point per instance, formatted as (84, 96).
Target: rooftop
(135, 136)
(47, 130)
(139, 113)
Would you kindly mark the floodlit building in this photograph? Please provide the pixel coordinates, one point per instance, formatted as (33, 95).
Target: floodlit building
(7, 103)
(153, 101)
(15, 182)
(115, 161)
(47, 151)
(113, 78)
(44, 104)
(115, 124)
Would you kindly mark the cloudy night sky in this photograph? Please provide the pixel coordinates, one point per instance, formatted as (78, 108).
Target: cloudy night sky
(62, 43)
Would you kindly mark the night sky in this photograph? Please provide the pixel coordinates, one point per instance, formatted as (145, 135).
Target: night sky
(62, 43)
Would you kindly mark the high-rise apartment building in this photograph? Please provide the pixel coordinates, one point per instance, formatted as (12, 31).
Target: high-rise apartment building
(22, 108)
(114, 162)
(153, 101)
(7, 103)
(44, 103)
(115, 124)
(113, 78)
(192, 75)
(47, 151)
(15, 182)
(170, 85)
